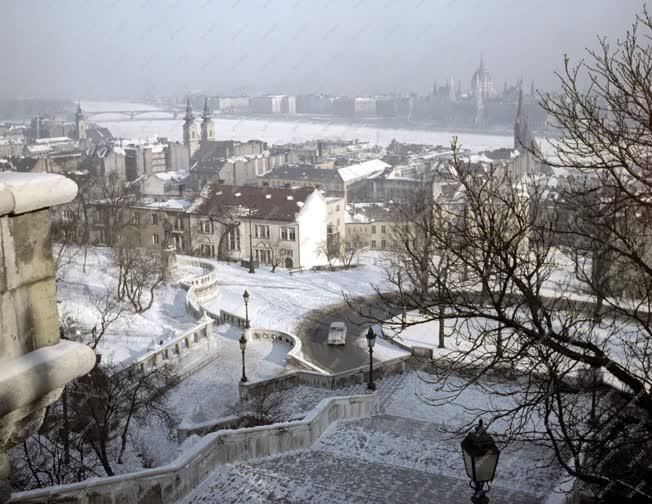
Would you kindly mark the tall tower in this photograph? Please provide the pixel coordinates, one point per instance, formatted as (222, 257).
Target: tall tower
(190, 133)
(80, 124)
(207, 128)
(523, 138)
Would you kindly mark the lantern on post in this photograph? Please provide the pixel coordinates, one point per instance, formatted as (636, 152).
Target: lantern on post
(243, 347)
(480, 460)
(371, 341)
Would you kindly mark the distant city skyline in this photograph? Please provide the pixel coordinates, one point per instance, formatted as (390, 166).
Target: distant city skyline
(120, 48)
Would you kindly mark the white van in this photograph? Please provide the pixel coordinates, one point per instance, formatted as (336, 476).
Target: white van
(337, 333)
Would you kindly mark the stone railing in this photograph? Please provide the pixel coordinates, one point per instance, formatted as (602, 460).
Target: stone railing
(334, 381)
(295, 355)
(174, 349)
(199, 288)
(174, 481)
(226, 317)
(418, 351)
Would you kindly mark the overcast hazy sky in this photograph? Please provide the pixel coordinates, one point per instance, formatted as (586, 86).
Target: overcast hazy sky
(128, 48)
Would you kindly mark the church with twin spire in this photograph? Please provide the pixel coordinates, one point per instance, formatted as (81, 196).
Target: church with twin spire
(192, 135)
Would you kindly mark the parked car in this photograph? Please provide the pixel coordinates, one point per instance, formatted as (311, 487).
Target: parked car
(337, 333)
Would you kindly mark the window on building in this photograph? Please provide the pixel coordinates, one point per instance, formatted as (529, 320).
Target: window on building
(261, 231)
(178, 224)
(373, 229)
(383, 243)
(206, 226)
(155, 239)
(329, 229)
(233, 239)
(383, 230)
(139, 239)
(373, 243)
(155, 219)
(263, 256)
(178, 243)
(288, 233)
(207, 250)
(68, 215)
(135, 218)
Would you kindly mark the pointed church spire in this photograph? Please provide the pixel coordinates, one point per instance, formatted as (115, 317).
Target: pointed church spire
(79, 114)
(206, 114)
(189, 115)
(207, 129)
(523, 138)
(519, 105)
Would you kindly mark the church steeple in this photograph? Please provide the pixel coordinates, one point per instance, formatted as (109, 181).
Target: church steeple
(523, 138)
(189, 117)
(190, 133)
(207, 129)
(80, 123)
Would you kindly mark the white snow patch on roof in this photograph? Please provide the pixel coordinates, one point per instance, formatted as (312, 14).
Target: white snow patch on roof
(362, 170)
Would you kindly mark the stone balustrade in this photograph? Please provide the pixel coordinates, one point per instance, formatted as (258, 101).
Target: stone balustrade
(200, 288)
(333, 381)
(172, 482)
(173, 349)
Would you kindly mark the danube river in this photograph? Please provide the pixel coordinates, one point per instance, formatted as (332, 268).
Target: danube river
(279, 131)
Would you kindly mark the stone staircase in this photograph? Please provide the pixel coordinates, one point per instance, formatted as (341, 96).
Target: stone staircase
(381, 459)
(321, 477)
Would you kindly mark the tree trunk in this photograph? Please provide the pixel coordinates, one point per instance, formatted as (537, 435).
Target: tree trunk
(442, 333)
(66, 427)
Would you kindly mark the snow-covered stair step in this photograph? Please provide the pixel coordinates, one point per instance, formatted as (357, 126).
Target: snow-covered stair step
(321, 477)
(424, 446)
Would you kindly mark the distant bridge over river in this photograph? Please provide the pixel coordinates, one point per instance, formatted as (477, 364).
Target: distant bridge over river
(129, 115)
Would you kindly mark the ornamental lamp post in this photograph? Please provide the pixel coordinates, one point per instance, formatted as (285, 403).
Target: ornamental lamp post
(243, 346)
(480, 460)
(251, 247)
(371, 341)
(245, 296)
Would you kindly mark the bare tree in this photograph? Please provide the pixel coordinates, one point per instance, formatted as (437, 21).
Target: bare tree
(108, 399)
(350, 249)
(114, 197)
(275, 251)
(264, 409)
(492, 263)
(109, 309)
(331, 250)
(140, 272)
(226, 218)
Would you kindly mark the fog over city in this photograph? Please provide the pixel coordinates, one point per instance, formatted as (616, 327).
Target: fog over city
(325, 252)
(133, 48)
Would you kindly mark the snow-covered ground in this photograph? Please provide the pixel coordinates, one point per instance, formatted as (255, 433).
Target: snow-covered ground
(132, 334)
(279, 300)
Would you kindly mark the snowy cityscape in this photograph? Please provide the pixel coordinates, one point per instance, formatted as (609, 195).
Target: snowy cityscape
(260, 252)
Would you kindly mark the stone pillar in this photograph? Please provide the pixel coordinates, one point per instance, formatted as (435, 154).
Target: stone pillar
(5, 488)
(36, 365)
(170, 258)
(209, 325)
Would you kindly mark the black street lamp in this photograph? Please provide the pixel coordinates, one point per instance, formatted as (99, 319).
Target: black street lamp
(243, 346)
(251, 247)
(371, 341)
(480, 460)
(245, 296)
